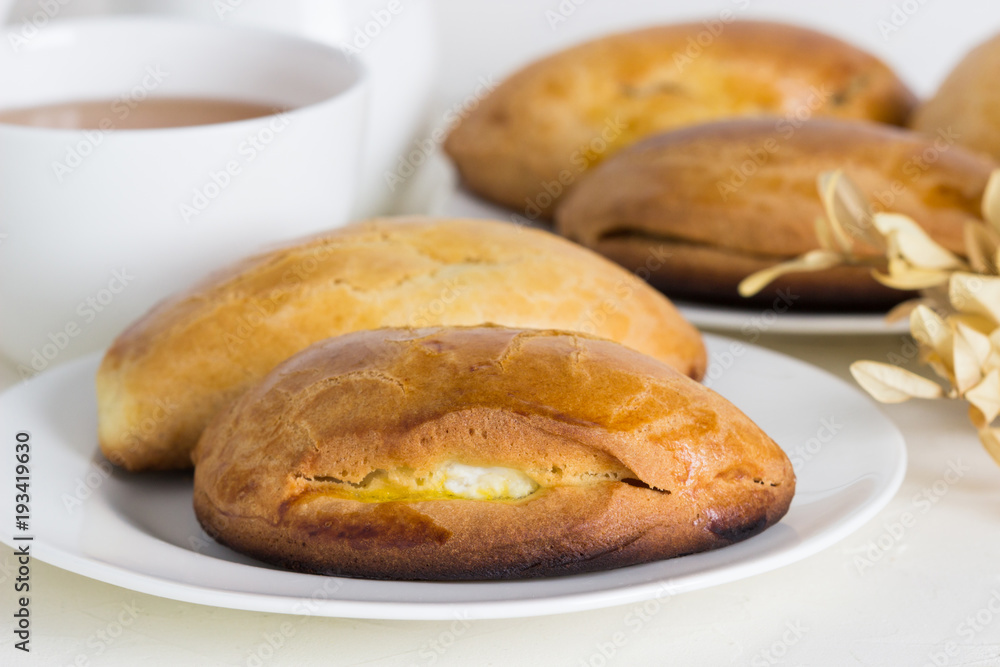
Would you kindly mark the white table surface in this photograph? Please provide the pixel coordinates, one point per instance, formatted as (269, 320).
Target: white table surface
(879, 597)
(924, 594)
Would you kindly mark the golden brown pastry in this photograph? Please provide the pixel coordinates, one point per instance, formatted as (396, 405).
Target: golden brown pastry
(967, 105)
(164, 378)
(729, 198)
(482, 453)
(527, 143)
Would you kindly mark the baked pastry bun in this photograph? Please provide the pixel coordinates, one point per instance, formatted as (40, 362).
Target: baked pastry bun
(967, 105)
(164, 378)
(530, 139)
(730, 198)
(482, 453)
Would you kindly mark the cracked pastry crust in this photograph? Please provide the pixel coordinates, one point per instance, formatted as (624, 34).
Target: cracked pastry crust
(628, 461)
(164, 377)
(726, 199)
(528, 142)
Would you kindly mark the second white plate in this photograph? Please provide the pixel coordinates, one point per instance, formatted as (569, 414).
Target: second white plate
(462, 204)
(139, 530)
(752, 322)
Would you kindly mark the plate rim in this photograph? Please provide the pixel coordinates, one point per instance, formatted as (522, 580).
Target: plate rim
(735, 320)
(521, 607)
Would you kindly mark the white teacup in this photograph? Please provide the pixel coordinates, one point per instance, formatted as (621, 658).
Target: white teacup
(98, 225)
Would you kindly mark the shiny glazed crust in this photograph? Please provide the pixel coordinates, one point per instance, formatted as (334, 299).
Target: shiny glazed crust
(529, 141)
(167, 375)
(635, 461)
(722, 200)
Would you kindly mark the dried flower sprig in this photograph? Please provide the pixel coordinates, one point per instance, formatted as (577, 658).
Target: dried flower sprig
(956, 319)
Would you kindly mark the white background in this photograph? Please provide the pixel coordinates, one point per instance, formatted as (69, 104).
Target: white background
(902, 610)
(480, 37)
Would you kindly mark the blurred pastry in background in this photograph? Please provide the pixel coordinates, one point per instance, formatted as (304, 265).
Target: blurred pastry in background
(531, 139)
(727, 199)
(968, 102)
(167, 375)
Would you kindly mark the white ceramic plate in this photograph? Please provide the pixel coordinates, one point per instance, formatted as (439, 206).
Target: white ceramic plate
(139, 531)
(463, 204)
(765, 320)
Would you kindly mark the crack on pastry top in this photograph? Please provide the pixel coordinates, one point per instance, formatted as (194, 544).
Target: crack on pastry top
(331, 441)
(442, 359)
(457, 481)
